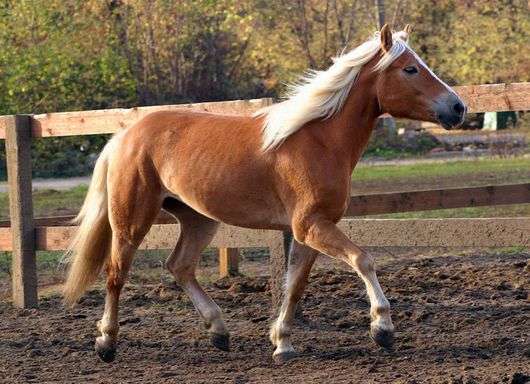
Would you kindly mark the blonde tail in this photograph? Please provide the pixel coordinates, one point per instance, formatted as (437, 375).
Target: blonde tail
(90, 247)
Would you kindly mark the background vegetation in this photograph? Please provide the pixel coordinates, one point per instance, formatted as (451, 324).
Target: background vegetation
(61, 55)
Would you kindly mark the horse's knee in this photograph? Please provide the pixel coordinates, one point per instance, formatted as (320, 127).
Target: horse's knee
(363, 263)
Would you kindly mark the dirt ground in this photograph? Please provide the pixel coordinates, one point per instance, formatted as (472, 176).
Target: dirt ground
(459, 319)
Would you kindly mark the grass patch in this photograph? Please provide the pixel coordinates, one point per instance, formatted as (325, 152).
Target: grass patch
(46, 261)
(5, 263)
(153, 259)
(516, 210)
(512, 169)
(50, 202)
(510, 251)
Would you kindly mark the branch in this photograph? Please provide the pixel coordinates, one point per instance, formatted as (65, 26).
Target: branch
(240, 57)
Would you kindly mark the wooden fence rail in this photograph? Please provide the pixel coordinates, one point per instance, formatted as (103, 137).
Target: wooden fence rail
(382, 203)
(23, 235)
(479, 98)
(428, 200)
(54, 233)
(104, 121)
(460, 232)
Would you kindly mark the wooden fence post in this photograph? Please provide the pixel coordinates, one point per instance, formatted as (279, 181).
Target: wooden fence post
(228, 262)
(18, 156)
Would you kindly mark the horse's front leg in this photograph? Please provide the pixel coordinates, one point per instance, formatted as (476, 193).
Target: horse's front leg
(324, 236)
(301, 259)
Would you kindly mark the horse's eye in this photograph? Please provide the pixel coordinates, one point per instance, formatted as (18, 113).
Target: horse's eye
(411, 70)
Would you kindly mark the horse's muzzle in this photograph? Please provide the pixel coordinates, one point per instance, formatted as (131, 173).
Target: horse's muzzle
(451, 111)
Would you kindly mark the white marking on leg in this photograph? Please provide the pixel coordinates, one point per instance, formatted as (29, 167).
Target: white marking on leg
(280, 333)
(206, 307)
(108, 324)
(118, 267)
(379, 305)
(184, 273)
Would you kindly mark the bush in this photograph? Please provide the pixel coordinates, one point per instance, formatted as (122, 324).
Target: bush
(62, 156)
(394, 146)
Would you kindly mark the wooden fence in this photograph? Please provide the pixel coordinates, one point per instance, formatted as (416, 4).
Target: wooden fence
(24, 234)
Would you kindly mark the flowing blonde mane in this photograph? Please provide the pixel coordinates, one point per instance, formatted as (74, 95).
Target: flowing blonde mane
(321, 94)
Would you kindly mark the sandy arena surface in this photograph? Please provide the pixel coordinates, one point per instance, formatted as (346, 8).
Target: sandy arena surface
(459, 319)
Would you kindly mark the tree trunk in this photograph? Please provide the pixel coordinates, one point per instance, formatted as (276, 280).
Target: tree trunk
(380, 9)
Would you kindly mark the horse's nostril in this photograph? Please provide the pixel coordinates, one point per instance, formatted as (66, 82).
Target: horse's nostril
(459, 108)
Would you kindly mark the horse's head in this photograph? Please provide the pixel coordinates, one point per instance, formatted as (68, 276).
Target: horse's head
(407, 88)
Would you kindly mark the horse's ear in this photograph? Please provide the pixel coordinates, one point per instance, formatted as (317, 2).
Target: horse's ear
(386, 38)
(408, 31)
(405, 33)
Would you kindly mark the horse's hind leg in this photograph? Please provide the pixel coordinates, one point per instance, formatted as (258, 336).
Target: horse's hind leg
(117, 269)
(130, 218)
(197, 231)
(301, 260)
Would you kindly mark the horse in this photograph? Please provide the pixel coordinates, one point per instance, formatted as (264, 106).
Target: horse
(288, 168)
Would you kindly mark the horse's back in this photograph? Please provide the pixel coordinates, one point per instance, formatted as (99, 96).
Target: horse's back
(193, 125)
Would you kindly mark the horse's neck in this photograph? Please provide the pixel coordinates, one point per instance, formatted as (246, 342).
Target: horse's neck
(352, 126)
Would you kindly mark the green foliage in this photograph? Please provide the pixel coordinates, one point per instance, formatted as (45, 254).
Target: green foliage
(474, 42)
(65, 156)
(394, 146)
(61, 156)
(77, 54)
(52, 59)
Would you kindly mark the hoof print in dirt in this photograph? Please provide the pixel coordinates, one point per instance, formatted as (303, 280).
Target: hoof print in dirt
(106, 354)
(281, 358)
(221, 342)
(383, 338)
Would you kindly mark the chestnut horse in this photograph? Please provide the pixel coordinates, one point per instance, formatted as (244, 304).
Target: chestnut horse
(286, 168)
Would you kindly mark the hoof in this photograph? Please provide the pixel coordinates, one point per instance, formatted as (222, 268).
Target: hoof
(283, 357)
(383, 338)
(106, 354)
(221, 342)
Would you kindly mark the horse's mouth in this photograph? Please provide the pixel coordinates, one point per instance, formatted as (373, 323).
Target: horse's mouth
(450, 121)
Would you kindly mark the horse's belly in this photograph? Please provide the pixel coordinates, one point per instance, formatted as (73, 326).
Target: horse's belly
(245, 206)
